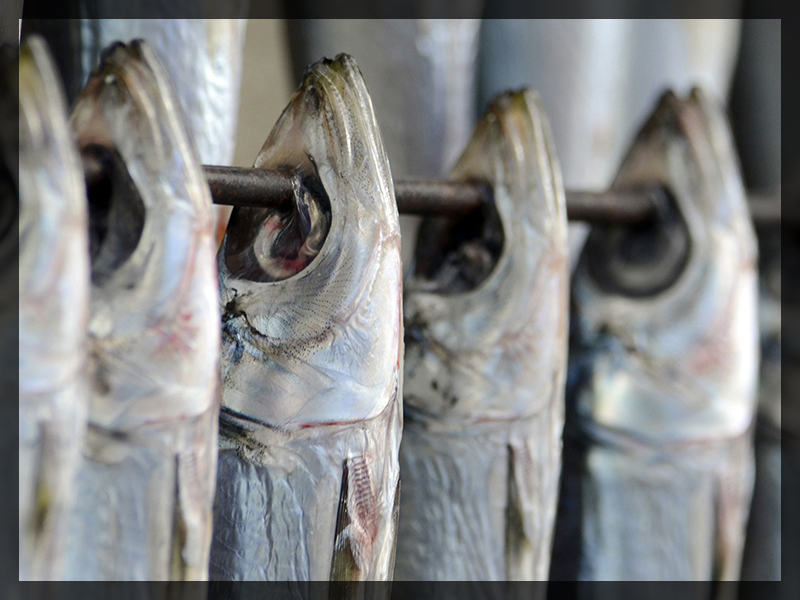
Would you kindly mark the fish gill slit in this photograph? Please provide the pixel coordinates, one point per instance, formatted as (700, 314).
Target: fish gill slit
(344, 569)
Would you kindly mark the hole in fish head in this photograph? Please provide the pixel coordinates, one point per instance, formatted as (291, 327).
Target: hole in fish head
(274, 244)
(640, 260)
(456, 255)
(116, 214)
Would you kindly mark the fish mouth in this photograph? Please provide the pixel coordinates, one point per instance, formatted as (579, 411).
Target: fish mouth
(641, 260)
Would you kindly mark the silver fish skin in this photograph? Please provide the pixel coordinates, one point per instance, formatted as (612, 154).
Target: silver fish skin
(598, 79)
(668, 395)
(422, 75)
(53, 315)
(146, 483)
(312, 360)
(485, 372)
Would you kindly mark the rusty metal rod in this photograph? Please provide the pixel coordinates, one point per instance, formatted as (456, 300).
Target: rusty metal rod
(235, 186)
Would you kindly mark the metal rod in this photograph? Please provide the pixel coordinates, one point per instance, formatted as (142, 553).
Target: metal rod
(234, 186)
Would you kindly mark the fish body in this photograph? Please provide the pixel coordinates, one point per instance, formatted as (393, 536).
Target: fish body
(486, 364)
(146, 483)
(53, 314)
(598, 79)
(313, 351)
(665, 368)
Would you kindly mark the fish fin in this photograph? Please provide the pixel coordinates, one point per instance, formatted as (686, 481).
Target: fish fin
(343, 563)
(178, 566)
(518, 545)
(356, 527)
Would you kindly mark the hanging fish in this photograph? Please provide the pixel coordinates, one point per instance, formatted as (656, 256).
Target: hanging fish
(53, 310)
(598, 79)
(312, 351)
(146, 483)
(762, 556)
(422, 75)
(665, 373)
(486, 329)
(756, 115)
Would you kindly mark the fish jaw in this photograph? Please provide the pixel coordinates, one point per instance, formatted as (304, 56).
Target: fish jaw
(312, 389)
(53, 314)
(680, 364)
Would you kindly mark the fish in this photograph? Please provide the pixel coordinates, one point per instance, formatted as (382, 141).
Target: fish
(762, 553)
(53, 310)
(486, 322)
(423, 83)
(598, 79)
(143, 508)
(663, 377)
(755, 111)
(312, 352)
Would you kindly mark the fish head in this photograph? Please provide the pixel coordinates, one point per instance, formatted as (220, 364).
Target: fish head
(154, 308)
(668, 310)
(486, 309)
(312, 293)
(53, 266)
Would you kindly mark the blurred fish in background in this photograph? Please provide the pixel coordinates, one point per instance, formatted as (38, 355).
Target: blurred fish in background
(53, 310)
(599, 78)
(756, 115)
(202, 57)
(486, 337)
(143, 507)
(421, 75)
(664, 367)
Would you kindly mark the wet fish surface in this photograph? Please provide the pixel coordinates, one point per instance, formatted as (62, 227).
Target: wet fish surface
(312, 352)
(662, 389)
(53, 313)
(146, 483)
(486, 316)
